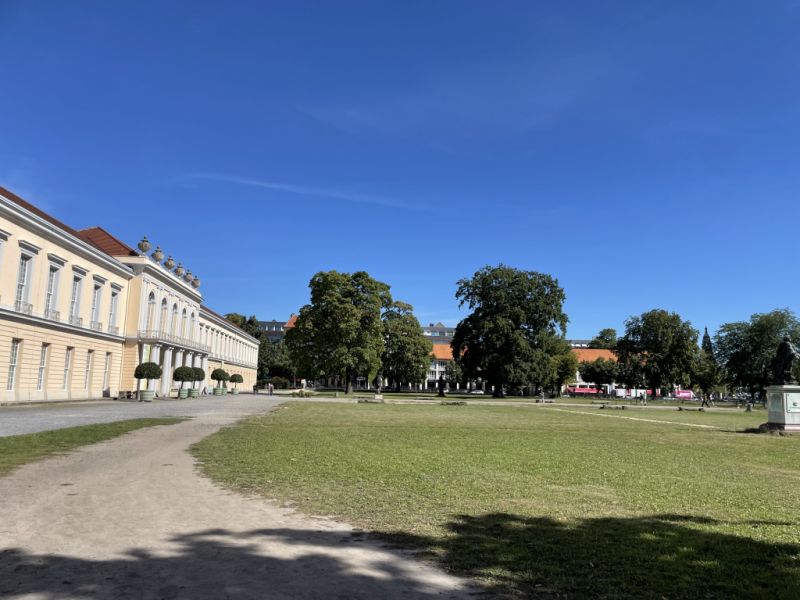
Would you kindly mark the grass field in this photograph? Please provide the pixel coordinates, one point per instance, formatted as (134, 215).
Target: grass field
(550, 502)
(18, 450)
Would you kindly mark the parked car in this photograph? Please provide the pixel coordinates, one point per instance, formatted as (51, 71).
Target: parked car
(476, 392)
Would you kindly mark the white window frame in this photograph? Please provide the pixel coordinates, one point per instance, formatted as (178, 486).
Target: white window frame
(68, 367)
(75, 295)
(107, 371)
(24, 272)
(114, 304)
(87, 373)
(13, 361)
(40, 377)
(97, 298)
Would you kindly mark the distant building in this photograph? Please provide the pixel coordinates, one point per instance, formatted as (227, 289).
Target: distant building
(275, 330)
(579, 343)
(439, 333)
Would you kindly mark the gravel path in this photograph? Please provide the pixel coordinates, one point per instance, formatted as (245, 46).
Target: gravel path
(131, 518)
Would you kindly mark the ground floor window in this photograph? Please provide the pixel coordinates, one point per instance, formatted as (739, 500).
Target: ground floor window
(87, 374)
(67, 367)
(42, 368)
(12, 363)
(106, 370)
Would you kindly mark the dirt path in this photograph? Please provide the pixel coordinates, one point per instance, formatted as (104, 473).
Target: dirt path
(131, 518)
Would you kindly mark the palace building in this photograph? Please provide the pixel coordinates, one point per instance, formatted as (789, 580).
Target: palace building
(79, 310)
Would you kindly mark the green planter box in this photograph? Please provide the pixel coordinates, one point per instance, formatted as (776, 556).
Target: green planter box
(146, 395)
(219, 391)
(194, 393)
(183, 393)
(234, 392)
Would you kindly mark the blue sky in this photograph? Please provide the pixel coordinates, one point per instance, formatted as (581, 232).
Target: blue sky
(645, 153)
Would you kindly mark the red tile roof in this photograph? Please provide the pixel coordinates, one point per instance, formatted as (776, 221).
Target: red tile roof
(442, 352)
(102, 240)
(591, 354)
(291, 322)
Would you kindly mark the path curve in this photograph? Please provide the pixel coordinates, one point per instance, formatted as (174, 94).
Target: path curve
(132, 518)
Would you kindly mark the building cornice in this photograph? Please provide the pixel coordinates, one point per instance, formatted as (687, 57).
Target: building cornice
(205, 313)
(27, 219)
(12, 315)
(143, 265)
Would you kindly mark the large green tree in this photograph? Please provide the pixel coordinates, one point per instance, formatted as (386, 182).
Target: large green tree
(662, 346)
(563, 364)
(708, 374)
(407, 352)
(745, 349)
(606, 338)
(274, 360)
(601, 371)
(340, 333)
(507, 338)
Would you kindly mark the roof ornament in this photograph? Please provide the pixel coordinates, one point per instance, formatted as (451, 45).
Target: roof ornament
(158, 255)
(169, 263)
(144, 245)
(188, 277)
(196, 282)
(179, 270)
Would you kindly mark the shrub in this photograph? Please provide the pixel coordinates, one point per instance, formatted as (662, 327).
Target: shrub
(280, 383)
(148, 371)
(183, 374)
(236, 378)
(199, 374)
(220, 376)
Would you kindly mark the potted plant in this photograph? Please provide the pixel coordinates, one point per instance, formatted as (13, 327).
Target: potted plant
(236, 378)
(220, 376)
(183, 374)
(199, 375)
(147, 371)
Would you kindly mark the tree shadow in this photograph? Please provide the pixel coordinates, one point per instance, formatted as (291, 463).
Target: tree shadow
(219, 564)
(661, 556)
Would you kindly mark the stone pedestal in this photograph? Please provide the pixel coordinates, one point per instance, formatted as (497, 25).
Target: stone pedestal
(783, 406)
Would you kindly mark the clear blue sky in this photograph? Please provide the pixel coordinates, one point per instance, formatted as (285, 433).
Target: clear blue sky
(646, 153)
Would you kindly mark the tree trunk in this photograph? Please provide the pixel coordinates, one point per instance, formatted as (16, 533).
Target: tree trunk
(348, 389)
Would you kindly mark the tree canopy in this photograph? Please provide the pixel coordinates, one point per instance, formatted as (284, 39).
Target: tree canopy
(606, 338)
(407, 352)
(745, 349)
(600, 371)
(659, 347)
(507, 339)
(340, 333)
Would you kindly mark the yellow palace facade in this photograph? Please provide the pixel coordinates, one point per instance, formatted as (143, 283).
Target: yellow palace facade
(79, 310)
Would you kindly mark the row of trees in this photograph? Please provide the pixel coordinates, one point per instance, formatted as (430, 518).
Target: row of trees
(659, 350)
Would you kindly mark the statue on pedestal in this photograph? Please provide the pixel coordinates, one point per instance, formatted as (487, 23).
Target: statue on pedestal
(783, 362)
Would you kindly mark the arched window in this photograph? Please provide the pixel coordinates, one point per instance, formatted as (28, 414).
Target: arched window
(183, 324)
(163, 320)
(192, 328)
(151, 312)
(174, 321)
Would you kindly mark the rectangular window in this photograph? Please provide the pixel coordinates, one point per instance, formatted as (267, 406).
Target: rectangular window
(50, 297)
(75, 300)
(96, 292)
(67, 368)
(107, 371)
(42, 368)
(12, 364)
(23, 279)
(87, 374)
(112, 314)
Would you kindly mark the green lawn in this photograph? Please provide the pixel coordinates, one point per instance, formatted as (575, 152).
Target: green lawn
(549, 502)
(17, 450)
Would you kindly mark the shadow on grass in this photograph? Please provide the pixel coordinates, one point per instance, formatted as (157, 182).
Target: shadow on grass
(219, 564)
(660, 557)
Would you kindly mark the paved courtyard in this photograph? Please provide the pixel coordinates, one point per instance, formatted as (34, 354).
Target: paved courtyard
(132, 518)
(30, 418)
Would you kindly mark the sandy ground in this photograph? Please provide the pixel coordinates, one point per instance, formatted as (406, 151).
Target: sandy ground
(132, 518)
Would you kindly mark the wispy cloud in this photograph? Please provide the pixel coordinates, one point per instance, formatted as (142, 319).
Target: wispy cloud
(488, 99)
(302, 190)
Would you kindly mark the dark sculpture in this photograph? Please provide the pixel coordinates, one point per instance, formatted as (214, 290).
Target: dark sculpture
(783, 362)
(442, 386)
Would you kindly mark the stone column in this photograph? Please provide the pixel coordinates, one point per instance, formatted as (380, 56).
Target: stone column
(189, 359)
(166, 376)
(155, 356)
